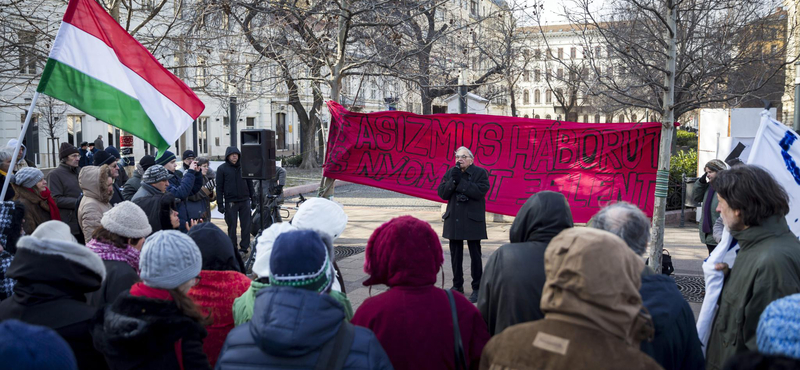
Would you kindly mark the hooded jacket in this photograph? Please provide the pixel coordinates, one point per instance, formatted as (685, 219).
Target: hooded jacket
(146, 333)
(413, 319)
(514, 275)
(231, 187)
(94, 184)
(593, 311)
(53, 277)
(675, 345)
(37, 210)
(65, 189)
(699, 195)
(767, 268)
(221, 282)
(307, 321)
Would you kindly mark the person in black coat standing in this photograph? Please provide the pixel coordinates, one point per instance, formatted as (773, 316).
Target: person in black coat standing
(514, 277)
(464, 188)
(235, 196)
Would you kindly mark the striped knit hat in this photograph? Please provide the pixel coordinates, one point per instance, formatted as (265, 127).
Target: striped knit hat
(165, 158)
(300, 259)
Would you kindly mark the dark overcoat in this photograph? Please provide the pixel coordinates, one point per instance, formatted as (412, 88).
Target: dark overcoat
(465, 218)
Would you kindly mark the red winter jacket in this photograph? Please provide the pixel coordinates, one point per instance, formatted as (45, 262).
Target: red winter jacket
(412, 320)
(215, 293)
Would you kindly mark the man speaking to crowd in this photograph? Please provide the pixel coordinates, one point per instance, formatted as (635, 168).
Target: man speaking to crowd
(464, 188)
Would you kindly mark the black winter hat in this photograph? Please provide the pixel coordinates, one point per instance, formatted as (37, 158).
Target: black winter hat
(66, 149)
(189, 154)
(147, 161)
(102, 157)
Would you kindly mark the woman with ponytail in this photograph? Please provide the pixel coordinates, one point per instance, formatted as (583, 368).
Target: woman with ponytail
(156, 325)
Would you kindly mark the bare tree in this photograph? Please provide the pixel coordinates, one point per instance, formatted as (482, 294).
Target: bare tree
(52, 116)
(674, 56)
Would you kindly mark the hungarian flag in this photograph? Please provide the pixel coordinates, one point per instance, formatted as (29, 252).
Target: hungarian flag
(99, 68)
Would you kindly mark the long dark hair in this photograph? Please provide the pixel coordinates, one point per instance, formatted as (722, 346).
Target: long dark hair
(753, 191)
(189, 308)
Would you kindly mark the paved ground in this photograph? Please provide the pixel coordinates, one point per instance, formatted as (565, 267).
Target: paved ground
(367, 208)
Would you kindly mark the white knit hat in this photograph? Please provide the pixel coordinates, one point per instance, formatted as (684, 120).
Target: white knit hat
(321, 215)
(264, 247)
(128, 220)
(169, 258)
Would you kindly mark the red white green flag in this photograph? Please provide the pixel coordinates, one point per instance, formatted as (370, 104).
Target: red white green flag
(97, 67)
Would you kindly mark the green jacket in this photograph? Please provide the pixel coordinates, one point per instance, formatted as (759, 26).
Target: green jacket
(699, 195)
(767, 268)
(243, 306)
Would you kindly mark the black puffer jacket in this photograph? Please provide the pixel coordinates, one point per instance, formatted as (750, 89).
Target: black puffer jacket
(53, 278)
(231, 187)
(141, 333)
(514, 277)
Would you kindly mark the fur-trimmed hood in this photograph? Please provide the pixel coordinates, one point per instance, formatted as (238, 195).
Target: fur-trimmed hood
(71, 252)
(92, 180)
(134, 325)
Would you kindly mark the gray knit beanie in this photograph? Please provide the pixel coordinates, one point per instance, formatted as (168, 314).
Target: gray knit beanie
(27, 177)
(128, 220)
(155, 174)
(169, 258)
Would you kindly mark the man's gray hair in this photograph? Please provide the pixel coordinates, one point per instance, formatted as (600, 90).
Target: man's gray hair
(465, 148)
(626, 221)
(6, 153)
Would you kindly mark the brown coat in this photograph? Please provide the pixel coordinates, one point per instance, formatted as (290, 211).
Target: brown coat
(37, 211)
(594, 317)
(93, 181)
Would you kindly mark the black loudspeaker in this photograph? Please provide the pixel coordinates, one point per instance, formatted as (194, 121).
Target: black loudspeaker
(258, 154)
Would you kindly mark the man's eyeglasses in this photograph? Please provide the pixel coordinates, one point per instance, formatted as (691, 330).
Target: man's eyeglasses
(462, 156)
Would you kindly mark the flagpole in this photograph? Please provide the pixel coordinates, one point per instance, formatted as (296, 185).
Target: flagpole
(19, 143)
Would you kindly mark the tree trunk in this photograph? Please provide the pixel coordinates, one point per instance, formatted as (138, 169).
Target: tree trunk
(667, 126)
(513, 101)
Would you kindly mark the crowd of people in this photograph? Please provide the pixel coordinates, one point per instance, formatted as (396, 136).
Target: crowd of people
(145, 283)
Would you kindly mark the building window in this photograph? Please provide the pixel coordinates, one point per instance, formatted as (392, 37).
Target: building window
(75, 130)
(560, 53)
(573, 52)
(473, 7)
(548, 96)
(633, 118)
(537, 75)
(27, 52)
(202, 135)
(526, 76)
(536, 116)
(526, 97)
(547, 117)
(251, 122)
(201, 73)
(585, 118)
(537, 96)
(621, 118)
(560, 73)
(596, 118)
(537, 54)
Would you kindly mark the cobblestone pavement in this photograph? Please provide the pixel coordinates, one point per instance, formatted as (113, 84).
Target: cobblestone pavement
(368, 207)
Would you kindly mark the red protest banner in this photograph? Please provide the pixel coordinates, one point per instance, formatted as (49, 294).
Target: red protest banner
(591, 164)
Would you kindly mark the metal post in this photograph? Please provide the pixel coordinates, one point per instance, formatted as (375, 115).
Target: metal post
(796, 125)
(462, 92)
(233, 119)
(261, 204)
(19, 143)
(683, 199)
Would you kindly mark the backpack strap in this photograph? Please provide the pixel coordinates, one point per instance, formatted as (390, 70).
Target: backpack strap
(335, 351)
(460, 357)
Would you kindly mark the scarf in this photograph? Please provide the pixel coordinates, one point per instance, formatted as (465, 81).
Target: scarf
(708, 226)
(110, 252)
(51, 203)
(141, 290)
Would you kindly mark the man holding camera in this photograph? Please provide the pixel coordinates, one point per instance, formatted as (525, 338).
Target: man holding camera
(464, 187)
